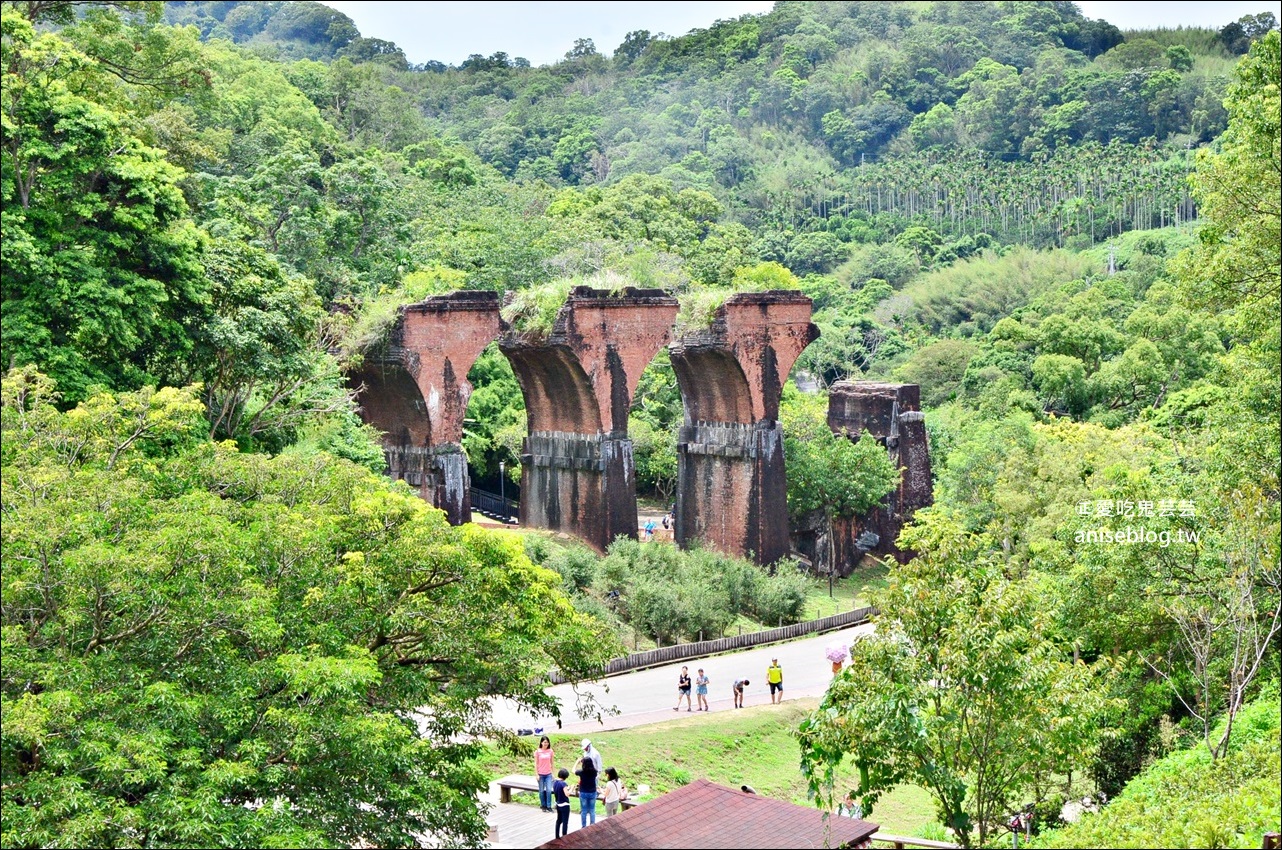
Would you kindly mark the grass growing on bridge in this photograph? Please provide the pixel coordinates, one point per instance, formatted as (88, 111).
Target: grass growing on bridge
(753, 746)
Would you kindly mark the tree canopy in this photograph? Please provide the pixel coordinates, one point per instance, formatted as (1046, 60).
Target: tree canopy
(205, 647)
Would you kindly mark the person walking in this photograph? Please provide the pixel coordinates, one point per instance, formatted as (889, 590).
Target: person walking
(701, 689)
(562, 803)
(649, 530)
(774, 678)
(613, 794)
(587, 773)
(683, 689)
(739, 685)
(543, 770)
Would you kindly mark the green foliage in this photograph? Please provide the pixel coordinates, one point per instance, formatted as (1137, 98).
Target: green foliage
(1184, 800)
(670, 594)
(984, 289)
(189, 632)
(495, 423)
(964, 690)
(285, 29)
(938, 368)
(101, 279)
(699, 308)
(532, 312)
(263, 353)
(654, 451)
(829, 472)
(699, 304)
(1235, 265)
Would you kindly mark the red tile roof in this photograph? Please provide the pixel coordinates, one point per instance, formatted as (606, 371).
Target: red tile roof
(706, 815)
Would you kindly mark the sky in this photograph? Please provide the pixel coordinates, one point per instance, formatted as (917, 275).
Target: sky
(544, 31)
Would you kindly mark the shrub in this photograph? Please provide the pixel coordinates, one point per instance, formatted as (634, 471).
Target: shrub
(577, 566)
(532, 312)
(1185, 800)
(780, 598)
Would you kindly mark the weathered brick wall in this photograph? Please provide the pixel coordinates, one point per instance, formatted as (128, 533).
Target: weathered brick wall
(578, 473)
(890, 414)
(731, 491)
(577, 468)
(415, 390)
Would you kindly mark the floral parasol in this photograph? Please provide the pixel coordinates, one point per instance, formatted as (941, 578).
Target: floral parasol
(837, 652)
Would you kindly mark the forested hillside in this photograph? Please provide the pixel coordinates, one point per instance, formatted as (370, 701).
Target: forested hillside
(1067, 234)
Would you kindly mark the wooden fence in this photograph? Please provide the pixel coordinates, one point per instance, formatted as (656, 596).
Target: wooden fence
(703, 648)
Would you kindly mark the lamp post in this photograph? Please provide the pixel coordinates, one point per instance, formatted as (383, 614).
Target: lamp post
(503, 489)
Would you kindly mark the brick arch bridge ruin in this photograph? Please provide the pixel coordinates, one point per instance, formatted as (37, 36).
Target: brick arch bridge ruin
(577, 470)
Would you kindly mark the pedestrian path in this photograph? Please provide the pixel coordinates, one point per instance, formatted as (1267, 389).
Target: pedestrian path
(647, 696)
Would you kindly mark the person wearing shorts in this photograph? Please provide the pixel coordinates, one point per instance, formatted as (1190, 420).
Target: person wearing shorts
(739, 685)
(774, 678)
(701, 689)
(683, 689)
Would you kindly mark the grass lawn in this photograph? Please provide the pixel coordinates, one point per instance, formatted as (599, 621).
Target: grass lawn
(749, 747)
(847, 593)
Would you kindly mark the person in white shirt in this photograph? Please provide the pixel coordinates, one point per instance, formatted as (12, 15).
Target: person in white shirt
(590, 752)
(613, 793)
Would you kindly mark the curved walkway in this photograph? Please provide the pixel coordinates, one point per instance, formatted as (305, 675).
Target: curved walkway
(647, 696)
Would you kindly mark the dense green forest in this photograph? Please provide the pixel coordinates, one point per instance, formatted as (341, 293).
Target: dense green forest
(1067, 234)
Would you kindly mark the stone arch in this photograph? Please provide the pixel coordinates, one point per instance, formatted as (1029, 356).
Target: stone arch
(732, 490)
(390, 399)
(577, 470)
(713, 386)
(559, 396)
(415, 390)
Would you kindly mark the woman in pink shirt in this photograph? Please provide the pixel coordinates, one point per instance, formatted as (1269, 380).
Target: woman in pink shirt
(543, 770)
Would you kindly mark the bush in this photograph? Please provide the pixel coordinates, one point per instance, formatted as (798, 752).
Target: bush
(577, 566)
(1049, 813)
(1185, 800)
(670, 594)
(781, 598)
(532, 312)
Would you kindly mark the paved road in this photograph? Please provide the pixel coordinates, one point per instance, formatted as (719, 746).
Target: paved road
(647, 696)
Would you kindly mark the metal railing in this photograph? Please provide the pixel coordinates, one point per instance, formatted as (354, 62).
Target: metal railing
(493, 506)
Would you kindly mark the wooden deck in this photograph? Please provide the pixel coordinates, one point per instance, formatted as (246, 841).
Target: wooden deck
(514, 825)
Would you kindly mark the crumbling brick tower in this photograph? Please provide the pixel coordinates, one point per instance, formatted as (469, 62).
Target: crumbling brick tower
(891, 415)
(415, 390)
(731, 491)
(577, 469)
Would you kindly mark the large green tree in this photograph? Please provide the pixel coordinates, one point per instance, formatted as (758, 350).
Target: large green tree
(963, 690)
(101, 278)
(828, 472)
(1230, 610)
(208, 648)
(1235, 266)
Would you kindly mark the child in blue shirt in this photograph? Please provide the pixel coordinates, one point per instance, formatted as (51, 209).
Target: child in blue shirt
(562, 803)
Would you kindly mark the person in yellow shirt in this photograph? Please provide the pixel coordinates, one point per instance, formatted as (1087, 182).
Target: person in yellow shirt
(774, 677)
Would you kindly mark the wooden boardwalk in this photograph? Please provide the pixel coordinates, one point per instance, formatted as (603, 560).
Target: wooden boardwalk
(515, 825)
